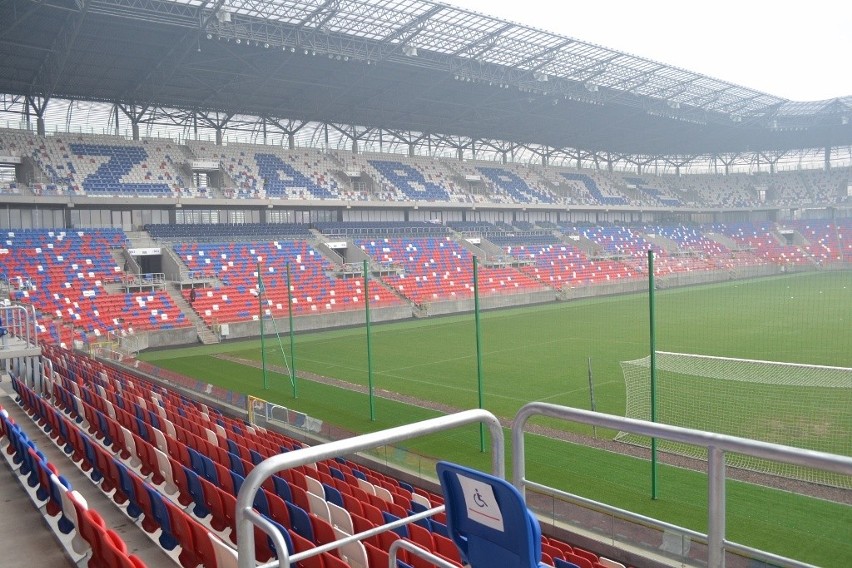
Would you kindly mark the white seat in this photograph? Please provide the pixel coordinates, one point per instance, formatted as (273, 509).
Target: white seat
(367, 486)
(315, 487)
(226, 557)
(340, 518)
(383, 494)
(352, 553)
(319, 507)
(134, 460)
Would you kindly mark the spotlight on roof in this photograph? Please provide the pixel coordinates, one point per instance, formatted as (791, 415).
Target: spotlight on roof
(844, 120)
(266, 45)
(239, 41)
(209, 36)
(539, 76)
(591, 87)
(410, 51)
(345, 58)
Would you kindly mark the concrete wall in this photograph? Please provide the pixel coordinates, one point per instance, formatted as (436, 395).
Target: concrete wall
(168, 338)
(324, 321)
(489, 303)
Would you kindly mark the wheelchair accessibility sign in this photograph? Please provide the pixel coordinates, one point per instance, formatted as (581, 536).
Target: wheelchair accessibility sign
(480, 503)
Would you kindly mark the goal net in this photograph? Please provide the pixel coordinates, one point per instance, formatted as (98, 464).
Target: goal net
(806, 406)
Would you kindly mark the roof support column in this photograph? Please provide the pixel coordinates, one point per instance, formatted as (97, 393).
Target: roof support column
(827, 159)
(135, 114)
(217, 121)
(287, 126)
(38, 105)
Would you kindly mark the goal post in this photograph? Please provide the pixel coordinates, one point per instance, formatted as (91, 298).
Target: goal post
(806, 406)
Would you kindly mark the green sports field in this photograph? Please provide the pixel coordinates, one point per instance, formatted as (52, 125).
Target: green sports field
(542, 354)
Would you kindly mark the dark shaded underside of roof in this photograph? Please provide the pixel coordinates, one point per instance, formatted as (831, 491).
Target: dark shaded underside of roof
(134, 53)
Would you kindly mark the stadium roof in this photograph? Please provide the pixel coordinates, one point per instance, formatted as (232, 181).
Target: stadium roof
(401, 65)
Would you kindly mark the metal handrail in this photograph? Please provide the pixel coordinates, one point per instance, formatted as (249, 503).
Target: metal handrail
(716, 444)
(244, 517)
(20, 321)
(401, 544)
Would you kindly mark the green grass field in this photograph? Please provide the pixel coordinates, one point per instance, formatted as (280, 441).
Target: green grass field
(541, 354)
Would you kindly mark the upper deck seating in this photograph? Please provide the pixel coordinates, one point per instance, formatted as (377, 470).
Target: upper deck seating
(592, 187)
(410, 181)
(515, 186)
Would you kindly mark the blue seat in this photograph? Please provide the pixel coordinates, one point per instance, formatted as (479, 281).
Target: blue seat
(564, 563)
(161, 518)
(282, 488)
(91, 458)
(488, 519)
(300, 521)
(391, 518)
(287, 540)
(196, 490)
(332, 495)
(125, 484)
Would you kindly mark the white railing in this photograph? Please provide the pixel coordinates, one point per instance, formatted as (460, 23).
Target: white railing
(246, 516)
(20, 322)
(717, 446)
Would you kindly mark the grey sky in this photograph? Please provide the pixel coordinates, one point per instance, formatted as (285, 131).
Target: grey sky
(796, 50)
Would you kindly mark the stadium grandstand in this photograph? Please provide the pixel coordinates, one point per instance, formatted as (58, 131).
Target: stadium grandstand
(178, 173)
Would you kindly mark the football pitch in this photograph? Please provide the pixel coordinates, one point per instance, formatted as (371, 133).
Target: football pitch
(547, 353)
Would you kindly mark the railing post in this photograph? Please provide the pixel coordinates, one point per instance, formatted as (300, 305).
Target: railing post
(715, 507)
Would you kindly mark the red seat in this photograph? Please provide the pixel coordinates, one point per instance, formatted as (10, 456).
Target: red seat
(202, 546)
(179, 523)
(184, 496)
(323, 531)
(92, 528)
(446, 548)
(143, 500)
(580, 561)
(302, 544)
(377, 557)
(213, 500)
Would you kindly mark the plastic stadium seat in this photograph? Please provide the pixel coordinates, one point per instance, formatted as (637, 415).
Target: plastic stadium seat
(488, 519)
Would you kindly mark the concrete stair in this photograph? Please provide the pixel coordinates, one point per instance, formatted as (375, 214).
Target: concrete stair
(205, 335)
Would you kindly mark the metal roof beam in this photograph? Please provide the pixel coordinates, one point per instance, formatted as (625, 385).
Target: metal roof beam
(322, 14)
(485, 42)
(414, 26)
(542, 56)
